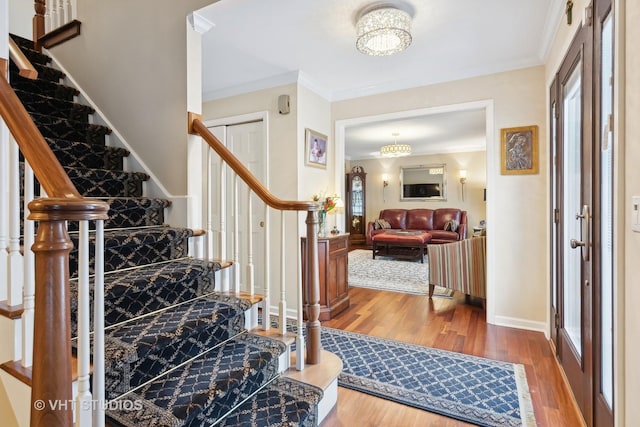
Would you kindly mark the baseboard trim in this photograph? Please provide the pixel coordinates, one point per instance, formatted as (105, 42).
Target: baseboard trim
(529, 325)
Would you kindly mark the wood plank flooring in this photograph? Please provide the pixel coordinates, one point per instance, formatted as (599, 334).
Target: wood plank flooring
(448, 324)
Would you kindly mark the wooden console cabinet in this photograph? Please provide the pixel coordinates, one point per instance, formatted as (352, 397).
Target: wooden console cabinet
(333, 271)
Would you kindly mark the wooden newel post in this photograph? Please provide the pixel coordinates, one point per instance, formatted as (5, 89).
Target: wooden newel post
(40, 7)
(51, 398)
(312, 291)
(51, 395)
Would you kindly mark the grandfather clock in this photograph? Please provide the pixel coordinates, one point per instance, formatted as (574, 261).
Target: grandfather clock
(355, 206)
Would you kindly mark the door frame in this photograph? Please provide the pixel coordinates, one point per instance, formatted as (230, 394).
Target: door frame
(588, 42)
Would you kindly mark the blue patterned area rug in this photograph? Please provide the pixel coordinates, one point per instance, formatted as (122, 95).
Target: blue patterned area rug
(472, 389)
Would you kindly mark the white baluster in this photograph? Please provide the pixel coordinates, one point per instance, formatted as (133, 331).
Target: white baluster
(207, 195)
(66, 12)
(300, 344)
(222, 237)
(61, 13)
(16, 266)
(47, 17)
(236, 238)
(266, 302)
(83, 412)
(52, 6)
(250, 276)
(98, 328)
(74, 9)
(28, 303)
(282, 306)
(4, 210)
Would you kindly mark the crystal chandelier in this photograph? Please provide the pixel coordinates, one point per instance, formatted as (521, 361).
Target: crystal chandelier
(395, 149)
(383, 31)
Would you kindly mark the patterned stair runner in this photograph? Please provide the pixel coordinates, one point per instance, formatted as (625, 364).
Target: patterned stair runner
(174, 347)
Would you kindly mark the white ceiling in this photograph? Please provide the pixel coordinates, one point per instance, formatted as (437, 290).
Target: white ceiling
(255, 44)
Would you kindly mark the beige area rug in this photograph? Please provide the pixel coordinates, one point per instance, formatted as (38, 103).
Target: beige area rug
(389, 274)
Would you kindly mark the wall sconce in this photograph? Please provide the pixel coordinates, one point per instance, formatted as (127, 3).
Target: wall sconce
(385, 184)
(463, 180)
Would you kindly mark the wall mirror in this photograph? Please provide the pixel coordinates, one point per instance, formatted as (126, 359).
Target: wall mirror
(424, 182)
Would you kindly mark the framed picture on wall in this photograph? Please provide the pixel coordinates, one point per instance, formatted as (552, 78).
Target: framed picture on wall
(315, 149)
(519, 150)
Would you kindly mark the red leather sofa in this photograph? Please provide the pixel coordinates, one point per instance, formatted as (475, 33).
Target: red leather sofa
(432, 221)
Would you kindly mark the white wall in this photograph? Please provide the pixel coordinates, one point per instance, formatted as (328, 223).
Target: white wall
(517, 275)
(314, 112)
(22, 13)
(474, 162)
(131, 61)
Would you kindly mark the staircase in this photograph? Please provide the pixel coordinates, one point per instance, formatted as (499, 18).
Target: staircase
(177, 352)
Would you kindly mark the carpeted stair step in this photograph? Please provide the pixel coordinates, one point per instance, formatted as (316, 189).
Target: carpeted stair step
(56, 127)
(43, 87)
(138, 351)
(140, 291)
(107, 183)
(42, 104)
(44, 72)
(135, 247)
(283, 402)
(132, 212)
(136, 212)
(206, 388)
(74, 154)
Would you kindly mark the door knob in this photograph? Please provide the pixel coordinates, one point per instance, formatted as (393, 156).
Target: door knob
(576, 243)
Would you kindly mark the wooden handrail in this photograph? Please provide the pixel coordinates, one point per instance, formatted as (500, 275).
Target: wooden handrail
(25, 67)
(35, 149)
(196, 127)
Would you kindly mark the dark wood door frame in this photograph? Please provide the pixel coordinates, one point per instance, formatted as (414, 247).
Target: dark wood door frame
(585, 377)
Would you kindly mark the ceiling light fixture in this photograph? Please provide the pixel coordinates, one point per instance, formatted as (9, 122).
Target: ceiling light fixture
(383, 31)
(395, 149)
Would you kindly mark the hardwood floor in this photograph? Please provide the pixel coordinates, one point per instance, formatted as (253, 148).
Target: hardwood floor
(448, 324)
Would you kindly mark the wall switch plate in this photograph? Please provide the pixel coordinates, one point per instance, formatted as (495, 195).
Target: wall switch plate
(635, 213)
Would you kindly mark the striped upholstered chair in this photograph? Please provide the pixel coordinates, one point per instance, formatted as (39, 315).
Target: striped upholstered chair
(460, 266)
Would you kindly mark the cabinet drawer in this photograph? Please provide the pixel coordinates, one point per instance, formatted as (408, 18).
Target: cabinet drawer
(338, 245)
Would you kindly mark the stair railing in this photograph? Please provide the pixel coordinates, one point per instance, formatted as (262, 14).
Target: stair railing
(51, 371)
(54, 22)
(311, 294)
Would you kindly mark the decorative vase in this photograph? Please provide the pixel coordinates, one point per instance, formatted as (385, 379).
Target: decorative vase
(322, 223)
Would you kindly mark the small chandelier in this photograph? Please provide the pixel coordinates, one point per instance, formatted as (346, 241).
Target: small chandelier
(383, 31)
(395, 149)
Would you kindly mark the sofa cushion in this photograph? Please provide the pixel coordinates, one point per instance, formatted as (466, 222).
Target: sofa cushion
(397, 218)
(439, 236)
(441, 216)
(382, 224)
(420, 219)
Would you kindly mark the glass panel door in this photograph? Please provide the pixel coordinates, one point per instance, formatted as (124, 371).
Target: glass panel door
(572, 186)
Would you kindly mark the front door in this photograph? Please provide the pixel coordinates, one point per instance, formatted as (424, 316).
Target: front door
(573, 219)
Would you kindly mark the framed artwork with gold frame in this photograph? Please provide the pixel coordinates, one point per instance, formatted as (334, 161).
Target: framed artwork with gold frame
(519, 150)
